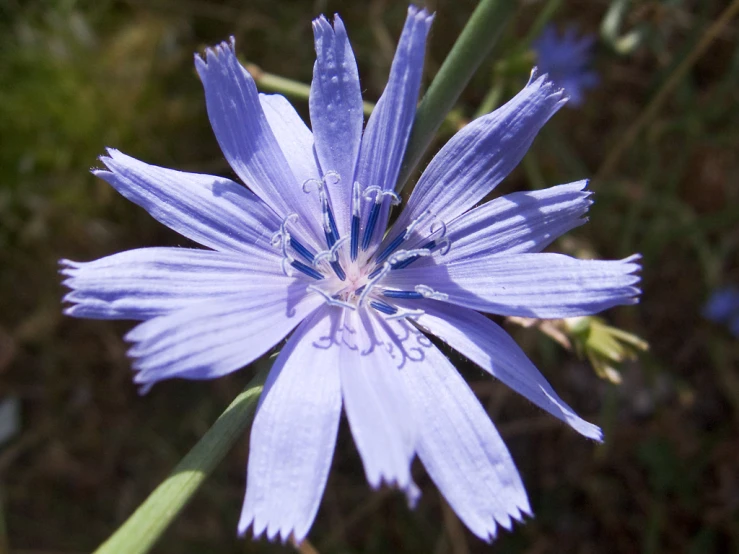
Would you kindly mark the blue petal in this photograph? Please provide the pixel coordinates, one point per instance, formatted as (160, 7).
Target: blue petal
(459, 445)
(336, 112)
(247, 141)
(212, 211)
(490, 347)
(538, 285)
(294, 433)
(148, 282)
(292, 135)
(482, 154)
(516, 223)
(376, 403)
(386, 136)
(519, 222)
(220, 335)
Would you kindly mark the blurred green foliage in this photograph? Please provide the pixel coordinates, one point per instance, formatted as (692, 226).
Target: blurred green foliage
(77, 76)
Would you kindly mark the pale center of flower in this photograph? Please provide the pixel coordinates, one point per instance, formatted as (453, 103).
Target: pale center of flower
(350, 271)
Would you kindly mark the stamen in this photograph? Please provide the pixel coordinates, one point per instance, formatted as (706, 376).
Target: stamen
(301, 250)
(400, 259)
(306, 269)
(306, 185)
(328, 229)
(400, 239)
(441, 240)
(284, 264)
(336, 266)
(445, 244)
(371, 222)
(403, 314)
(283, 239)
(429, 246)
(331, 173)
(383, 307)
(332, 222)
(330, 300)
(356, 215)
(403, 255)
(428, 292)
(378, 275)
(329, 223)
(330, 255)
(397, 241)
(375, 210)
(442, 228)
(403, 294)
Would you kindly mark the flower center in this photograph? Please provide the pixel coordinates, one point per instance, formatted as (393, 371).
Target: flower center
(350, 271)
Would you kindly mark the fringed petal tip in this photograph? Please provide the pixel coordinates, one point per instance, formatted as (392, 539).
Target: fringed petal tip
(71, 311)
(581, 187)
(215, 54)
(544, 82)
(143, 381)
(519, 514)
(109, 162)
(632, 293)
(633, 267)
(68, 267)
(421, 14)
(410, 489)
(271, 533)
(321, 22)
(587, 430)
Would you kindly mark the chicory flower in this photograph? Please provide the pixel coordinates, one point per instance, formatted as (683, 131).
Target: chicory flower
(301, 252)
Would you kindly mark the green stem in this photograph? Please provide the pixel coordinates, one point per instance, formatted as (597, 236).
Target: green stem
(472, 47)
(141, 531)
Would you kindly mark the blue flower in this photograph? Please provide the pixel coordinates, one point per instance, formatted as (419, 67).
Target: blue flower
(301, 252)
(567, 60)
(723, 307)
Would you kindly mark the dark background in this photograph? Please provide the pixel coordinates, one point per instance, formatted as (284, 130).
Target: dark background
(78, 76)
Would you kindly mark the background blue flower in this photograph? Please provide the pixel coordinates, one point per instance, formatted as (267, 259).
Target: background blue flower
(567, 58)
(723, 307)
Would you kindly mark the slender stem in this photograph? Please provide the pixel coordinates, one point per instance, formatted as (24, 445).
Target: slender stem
(141, 531)
(288, 87)
(472, 47)
(669, 85)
